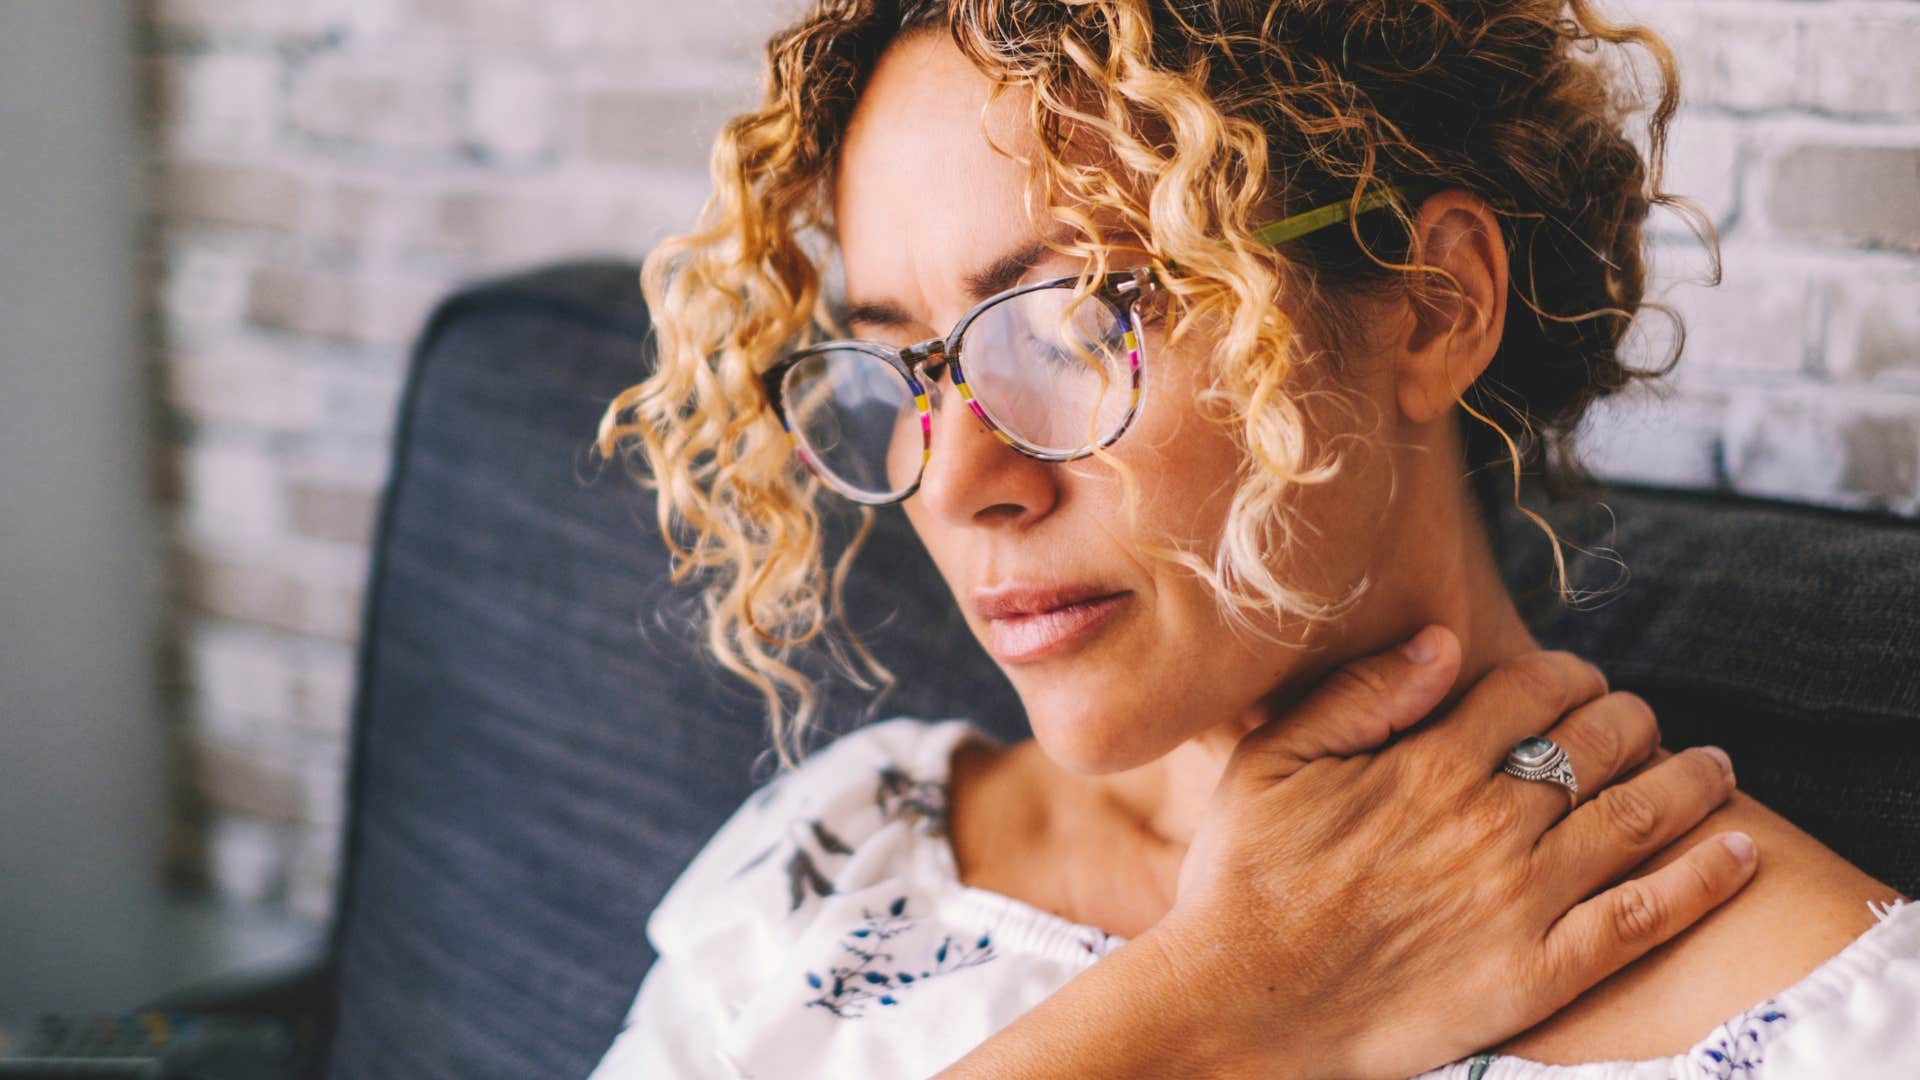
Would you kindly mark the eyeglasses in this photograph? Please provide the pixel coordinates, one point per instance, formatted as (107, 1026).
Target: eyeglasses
(1052, 375)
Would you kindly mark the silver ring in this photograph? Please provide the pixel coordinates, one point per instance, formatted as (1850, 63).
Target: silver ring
(1537, 757)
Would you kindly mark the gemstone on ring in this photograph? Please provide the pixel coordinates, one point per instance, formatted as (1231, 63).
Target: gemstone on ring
(1533, 750)
(1537, 757)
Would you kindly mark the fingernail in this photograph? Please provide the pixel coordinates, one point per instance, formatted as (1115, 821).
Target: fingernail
(1741, 845)
(1421, 648)
(1719, 755)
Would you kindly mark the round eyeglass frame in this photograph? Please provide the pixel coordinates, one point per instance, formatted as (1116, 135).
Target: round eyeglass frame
(1121, 291)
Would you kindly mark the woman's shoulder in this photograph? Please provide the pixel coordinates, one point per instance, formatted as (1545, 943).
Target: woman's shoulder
(1806, 915)
(841, 814)
(1851, 1016)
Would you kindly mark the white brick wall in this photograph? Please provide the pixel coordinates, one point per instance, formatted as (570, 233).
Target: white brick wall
(321, 174)
(1800, 136)
(323, 171)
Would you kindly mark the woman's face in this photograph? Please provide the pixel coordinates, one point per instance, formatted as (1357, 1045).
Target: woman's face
(1145, 660)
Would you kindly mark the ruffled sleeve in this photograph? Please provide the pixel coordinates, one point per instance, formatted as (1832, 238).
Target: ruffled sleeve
(669, 1030)
(758, 884)
(1858, 1015)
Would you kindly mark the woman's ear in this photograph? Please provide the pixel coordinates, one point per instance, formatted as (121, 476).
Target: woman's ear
(1453, 334)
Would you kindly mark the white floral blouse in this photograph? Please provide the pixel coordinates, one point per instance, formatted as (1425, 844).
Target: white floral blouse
(824, 932)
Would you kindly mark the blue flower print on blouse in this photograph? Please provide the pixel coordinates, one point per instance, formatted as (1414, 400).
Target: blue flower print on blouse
(876, 976)
(1735, 1048)
(1732, 1051)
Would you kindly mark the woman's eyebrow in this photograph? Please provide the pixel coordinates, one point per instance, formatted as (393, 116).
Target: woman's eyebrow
(879, 313)
(997, 276)
(1006, 271)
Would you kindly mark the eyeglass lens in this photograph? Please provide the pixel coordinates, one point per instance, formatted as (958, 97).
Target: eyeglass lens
(1052, 375)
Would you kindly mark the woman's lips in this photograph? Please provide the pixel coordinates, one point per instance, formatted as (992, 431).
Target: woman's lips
(1025, 628)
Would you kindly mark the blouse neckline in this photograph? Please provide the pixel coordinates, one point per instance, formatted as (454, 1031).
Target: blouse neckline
(1035, 930)
(1031, 928)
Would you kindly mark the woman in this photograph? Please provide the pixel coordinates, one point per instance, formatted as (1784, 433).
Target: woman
(1212, 450)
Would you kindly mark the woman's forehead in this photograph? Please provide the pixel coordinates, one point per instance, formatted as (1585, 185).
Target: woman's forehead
(922, 198)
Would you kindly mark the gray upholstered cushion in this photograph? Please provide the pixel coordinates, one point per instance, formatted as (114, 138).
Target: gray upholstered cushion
(539, 748)
(1788, 635)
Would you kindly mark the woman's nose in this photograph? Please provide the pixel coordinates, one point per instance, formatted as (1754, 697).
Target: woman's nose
(972, 477)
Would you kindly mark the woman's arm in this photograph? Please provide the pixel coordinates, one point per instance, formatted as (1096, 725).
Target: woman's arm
(1135, 1014)
(1348, 913)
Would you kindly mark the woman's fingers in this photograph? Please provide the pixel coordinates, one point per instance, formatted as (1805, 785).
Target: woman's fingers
(1604, 739)
(1611, 930)
(1359, 706)
(1625, 824)
(1521, 697)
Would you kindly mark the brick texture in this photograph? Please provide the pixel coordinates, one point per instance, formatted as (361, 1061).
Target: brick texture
(321, 172)
(1879, 208)
(1799, 136)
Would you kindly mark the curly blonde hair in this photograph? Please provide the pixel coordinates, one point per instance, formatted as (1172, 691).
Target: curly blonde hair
(1216, 116)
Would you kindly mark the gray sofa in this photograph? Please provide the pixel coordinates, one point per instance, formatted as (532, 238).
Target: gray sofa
(539, 747)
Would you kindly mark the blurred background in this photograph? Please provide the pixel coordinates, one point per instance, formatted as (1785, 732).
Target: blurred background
(222, 222)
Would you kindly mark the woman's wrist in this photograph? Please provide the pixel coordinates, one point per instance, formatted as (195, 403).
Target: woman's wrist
(1231, 1021)
(1147, 1010)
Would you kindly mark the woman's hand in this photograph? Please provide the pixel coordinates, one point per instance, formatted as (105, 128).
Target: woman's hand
(1348, 910)
(1357, 909)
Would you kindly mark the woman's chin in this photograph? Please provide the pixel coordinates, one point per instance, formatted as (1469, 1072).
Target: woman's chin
(1085, 734)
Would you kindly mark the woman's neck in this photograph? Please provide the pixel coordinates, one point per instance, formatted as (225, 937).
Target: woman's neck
(1165, 798)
